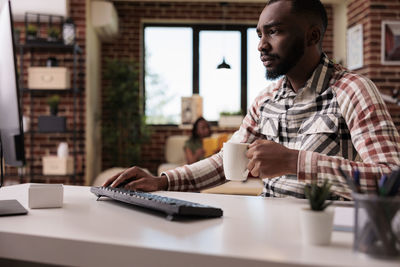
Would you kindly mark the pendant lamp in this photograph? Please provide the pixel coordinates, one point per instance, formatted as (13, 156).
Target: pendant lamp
(223, 65)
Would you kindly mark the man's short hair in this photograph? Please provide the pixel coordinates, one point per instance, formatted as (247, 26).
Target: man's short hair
(313, 8)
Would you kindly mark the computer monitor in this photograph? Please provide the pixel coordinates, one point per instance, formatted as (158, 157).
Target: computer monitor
(11, 132)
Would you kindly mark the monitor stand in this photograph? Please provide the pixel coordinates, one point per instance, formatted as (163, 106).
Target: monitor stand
(11, 206)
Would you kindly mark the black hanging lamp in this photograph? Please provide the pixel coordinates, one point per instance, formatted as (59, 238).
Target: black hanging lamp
(224, 65)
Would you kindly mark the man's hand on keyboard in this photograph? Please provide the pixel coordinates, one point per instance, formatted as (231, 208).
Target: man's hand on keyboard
(136, 178)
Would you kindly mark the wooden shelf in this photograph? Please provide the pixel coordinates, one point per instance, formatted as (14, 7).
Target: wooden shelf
(49, 45)
(60, 91)
(61, 133)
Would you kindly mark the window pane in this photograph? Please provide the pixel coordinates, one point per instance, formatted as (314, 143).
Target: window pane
(220, 88)
(168, 72)
(256, 80)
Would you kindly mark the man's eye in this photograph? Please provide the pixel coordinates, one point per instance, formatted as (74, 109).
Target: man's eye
(272, 31)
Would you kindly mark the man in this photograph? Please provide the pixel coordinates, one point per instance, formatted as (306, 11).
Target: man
(302, 128)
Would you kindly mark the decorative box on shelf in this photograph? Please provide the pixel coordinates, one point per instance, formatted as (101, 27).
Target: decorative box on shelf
(191, 109)
(54, 165)
(52, 124)
(49, 78)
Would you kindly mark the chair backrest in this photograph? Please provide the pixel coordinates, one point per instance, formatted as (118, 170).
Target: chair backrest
(174, 152)
(106, 174)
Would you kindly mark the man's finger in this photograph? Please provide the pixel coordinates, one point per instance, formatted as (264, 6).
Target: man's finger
(249, 152)
(250, 166)
(142, 184)
(255, 170)
(256, 142)
(110, 180)
(125, 175)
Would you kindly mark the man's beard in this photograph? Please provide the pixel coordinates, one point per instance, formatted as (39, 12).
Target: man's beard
(296, 51)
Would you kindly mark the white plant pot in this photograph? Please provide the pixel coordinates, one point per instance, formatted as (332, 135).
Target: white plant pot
(316, 226)
(230, 121)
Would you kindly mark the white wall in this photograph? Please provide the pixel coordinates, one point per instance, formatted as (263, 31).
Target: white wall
(54, 7)
(92, 100)
(339, 32)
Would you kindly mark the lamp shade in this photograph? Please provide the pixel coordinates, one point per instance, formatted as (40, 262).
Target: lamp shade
(223, 65)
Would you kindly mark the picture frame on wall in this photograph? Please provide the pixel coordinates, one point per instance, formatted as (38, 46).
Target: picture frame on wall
(191, 109)
(355, 47)
(390, 44)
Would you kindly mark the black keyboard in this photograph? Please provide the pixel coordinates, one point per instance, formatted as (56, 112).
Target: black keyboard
(174, 208)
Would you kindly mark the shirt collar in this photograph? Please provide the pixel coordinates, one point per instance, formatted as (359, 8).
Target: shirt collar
(318, 82)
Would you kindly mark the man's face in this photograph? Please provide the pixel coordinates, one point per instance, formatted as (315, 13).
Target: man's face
(282, 39)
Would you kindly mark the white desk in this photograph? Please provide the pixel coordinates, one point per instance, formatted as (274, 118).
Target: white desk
(254, 231)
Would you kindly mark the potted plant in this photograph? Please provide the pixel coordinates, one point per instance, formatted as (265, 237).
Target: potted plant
(31, 32)
(53, 102)
(124, 127)
(53, 34)
(230, 119)
(317, 220)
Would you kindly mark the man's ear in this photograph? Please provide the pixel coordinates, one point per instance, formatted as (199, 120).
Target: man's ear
(313, 35)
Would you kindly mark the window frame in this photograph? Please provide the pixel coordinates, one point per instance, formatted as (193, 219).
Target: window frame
(196, 28)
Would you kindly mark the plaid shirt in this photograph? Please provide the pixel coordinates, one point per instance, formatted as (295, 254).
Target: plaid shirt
(337, 119)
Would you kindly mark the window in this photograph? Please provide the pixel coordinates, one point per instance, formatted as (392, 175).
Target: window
(181, 60)
(256, 80)
(217, 84)
(168, 68)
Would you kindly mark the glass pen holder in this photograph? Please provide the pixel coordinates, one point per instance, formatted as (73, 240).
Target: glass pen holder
(377, 225)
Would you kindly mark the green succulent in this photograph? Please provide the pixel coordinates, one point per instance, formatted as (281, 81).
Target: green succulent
(31, 29)
(227, 113)
(53, 32)
(53, 101)
(317, 195)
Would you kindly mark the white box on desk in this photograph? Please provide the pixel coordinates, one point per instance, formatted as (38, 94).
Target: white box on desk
(49, 78)
(45, 196)
(53, 165)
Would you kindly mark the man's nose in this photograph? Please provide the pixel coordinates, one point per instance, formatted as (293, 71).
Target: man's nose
(264, 45)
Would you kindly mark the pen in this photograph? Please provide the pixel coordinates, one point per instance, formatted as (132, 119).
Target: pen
(377, 187)
(349, 181)
(396, 185)
(382, 182)
(356, 176)
(391, 186)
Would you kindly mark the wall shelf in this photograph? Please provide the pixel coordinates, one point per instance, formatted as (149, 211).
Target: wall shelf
(42, 50)
(54, 91)
(49, 45)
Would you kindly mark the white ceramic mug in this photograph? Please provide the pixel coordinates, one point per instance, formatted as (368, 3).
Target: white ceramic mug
(235, 161)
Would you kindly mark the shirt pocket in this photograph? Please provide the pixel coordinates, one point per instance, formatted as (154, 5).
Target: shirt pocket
(319, 124)
(320, 134)
(270, 128)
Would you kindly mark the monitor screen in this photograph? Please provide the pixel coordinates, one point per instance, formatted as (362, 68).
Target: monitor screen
(11, 131)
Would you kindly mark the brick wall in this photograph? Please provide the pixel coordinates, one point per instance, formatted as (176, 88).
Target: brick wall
(370, 14)
(40, 144)
(128, 45)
